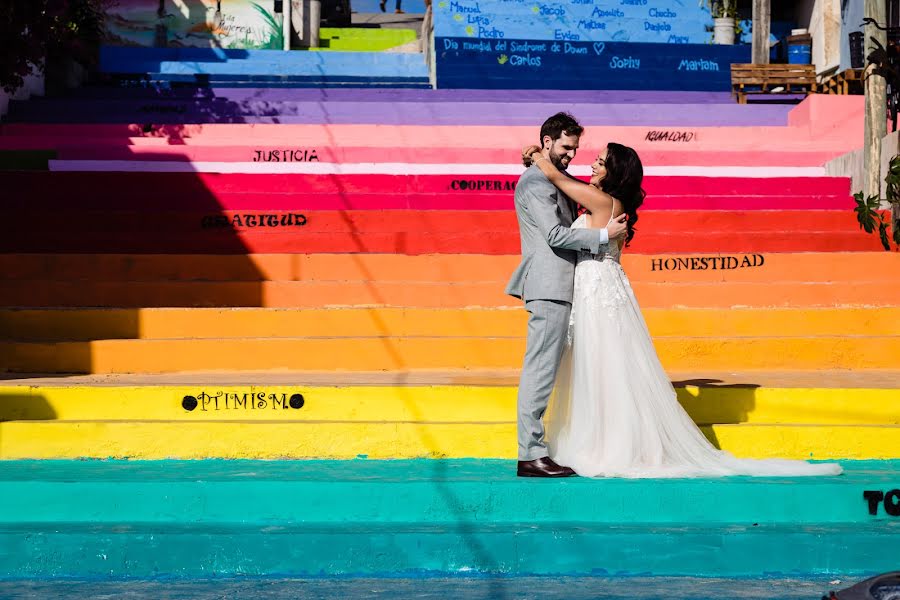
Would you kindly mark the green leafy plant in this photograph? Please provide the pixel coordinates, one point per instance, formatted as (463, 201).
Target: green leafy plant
(41, 32)
(276, 32)
(720, 9)
(870, 217)
(892, 193)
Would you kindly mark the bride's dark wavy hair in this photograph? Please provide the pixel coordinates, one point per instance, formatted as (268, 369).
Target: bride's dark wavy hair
(624, 175)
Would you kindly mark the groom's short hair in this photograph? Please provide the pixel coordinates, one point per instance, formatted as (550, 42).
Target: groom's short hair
(558, 124)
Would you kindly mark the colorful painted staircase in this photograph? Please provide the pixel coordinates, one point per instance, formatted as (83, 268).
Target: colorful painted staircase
(174, 292)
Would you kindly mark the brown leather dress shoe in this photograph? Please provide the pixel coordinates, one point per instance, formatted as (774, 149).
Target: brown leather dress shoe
(542, 467)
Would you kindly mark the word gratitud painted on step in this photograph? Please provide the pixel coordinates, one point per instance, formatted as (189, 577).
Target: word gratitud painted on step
(286, 155)
(219, 401)
(670, 136)
(244, 221)
(482, 185)
(890, 500)
(707, 263)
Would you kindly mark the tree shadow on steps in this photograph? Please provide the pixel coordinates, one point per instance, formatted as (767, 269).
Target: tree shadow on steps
(714, 402)
(120, 242)
(22, 406)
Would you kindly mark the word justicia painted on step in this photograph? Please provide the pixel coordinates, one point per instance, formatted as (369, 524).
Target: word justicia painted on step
(670, 136)
(286, 155)
(205, 402)
(707, 263)
(482, 185)
(890, 500)
(252, 220)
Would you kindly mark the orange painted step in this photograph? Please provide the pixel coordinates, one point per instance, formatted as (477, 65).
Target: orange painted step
(397, 354)
(424, 294)
(807, 267)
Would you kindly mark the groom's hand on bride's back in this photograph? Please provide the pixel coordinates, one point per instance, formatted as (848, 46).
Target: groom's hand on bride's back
(617, 227)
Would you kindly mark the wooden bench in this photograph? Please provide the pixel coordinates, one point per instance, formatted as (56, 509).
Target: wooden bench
(763, 79)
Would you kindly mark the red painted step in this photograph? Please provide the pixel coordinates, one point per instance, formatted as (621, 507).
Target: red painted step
(651, 222)
(463, 242)
(154, 185)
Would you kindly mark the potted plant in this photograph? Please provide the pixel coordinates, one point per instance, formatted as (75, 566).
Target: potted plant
(724, 14)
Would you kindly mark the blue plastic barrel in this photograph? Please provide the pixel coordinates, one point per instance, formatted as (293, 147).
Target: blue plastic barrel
(799, 49)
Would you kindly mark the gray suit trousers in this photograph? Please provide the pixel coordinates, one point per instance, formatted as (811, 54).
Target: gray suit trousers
(548, 324)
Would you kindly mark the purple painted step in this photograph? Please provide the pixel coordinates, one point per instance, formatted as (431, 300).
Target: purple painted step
(395, 113)
(406, 95)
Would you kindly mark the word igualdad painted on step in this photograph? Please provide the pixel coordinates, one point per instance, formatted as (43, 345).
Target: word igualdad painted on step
(707, 263)
(482, 185)
(249, 221)
(890, 500)
(286, 155)
(670, 136)
(205, 402)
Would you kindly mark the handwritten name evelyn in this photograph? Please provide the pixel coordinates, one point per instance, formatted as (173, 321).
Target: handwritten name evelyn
(207, 402)
(707, 263)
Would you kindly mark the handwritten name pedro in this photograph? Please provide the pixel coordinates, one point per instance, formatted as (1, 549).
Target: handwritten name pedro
(707, 263)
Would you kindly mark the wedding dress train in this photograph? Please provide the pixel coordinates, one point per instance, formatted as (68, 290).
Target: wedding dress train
(614, 412)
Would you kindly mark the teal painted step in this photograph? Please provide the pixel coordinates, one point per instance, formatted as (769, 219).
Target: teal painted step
(389, 550)
(429, 492)
(381, 518)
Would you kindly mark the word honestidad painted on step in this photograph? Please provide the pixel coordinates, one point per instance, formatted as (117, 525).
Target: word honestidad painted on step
(242, 401)
(286, 155)
(244, 221)
(707, 263)
(890, 501)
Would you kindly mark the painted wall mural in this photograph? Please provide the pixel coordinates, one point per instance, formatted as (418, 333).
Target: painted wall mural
(651, 21)
(195, 23)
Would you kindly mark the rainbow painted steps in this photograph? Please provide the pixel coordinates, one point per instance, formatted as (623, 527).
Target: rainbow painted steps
(453, 517)
(146, 418)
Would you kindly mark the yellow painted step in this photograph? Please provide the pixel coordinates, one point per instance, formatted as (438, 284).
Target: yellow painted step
(195, 440)
(746, 403)
(392, 353)
(172, 323)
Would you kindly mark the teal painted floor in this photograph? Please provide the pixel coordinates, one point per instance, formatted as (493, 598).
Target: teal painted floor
(363, 518)
(437, 589)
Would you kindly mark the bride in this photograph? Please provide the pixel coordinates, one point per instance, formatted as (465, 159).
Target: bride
(614, 412)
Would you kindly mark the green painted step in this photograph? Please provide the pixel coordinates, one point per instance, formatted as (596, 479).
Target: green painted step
(363, 39)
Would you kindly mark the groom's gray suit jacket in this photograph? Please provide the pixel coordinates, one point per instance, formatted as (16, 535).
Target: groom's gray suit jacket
(549, 246)
(545, 279)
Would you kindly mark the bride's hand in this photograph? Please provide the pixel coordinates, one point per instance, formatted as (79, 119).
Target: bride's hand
(527, 152)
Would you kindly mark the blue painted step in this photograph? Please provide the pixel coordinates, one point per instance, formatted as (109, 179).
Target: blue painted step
(434, 588)
(217, 62)
(383, 518)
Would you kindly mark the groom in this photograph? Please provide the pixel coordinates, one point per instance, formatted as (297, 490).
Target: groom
(545, 280)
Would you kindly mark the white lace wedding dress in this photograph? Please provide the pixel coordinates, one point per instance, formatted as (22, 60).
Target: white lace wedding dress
(614, 412)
